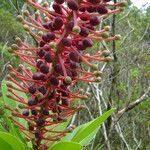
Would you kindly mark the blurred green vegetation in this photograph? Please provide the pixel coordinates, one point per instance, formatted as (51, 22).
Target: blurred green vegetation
(13, 6)
(6, 58)
(9, 27)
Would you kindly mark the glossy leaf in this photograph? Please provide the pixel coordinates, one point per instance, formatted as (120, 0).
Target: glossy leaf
(70, 136)
(60, 127)
(7, 100)
(11, 103)
(85, 133)
(63, 125)
(4, 145)
(66, 146)
(91, 127)
(10, 142)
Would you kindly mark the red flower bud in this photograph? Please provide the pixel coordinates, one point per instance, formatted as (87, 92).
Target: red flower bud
(59, 1)
(72, 4)
(94, 21)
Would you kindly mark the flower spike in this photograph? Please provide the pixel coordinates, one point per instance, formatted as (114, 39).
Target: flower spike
(63, 35)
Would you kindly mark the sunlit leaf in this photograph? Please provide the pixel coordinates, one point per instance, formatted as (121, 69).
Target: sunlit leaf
(11, 142)
(66, 146)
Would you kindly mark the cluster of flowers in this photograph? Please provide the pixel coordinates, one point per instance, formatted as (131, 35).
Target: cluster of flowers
(62, 36)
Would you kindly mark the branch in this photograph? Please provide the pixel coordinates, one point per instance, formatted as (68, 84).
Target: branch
(133, 104)
(95, 91)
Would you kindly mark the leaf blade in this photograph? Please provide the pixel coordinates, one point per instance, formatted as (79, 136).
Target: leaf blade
(12, 141)
(66, 146)
(90, 128)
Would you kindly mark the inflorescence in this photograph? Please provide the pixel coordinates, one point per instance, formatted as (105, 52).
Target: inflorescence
(62, 34)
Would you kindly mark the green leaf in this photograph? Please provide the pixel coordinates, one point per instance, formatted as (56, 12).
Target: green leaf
(7, 100)
(4, 145)
(10, 142)
(84, 133)
(61, 127)
(67, 146)
(91, 127)
(70, 136)
(2, 128)
(11, 103)
(89, 138)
